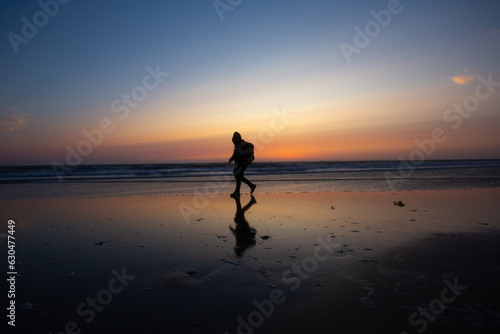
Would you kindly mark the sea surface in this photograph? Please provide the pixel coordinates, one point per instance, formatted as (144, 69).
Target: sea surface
(189, 178)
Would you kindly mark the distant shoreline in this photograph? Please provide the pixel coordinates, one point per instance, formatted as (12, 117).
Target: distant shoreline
(184, 179)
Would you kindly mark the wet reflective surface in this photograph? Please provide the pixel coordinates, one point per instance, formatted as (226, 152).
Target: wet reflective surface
(185, 264)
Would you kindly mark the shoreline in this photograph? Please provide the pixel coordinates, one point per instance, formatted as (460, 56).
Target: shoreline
(211, 188)
(215, 179)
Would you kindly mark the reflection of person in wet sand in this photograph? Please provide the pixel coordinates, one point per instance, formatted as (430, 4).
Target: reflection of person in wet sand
(245, 235)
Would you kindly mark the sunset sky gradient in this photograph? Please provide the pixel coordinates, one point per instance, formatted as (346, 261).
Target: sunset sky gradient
(272, 70)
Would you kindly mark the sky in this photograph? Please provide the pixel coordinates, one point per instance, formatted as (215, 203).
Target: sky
(152, 81)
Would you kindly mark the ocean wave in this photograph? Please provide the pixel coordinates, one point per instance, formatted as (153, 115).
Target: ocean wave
(187, 171)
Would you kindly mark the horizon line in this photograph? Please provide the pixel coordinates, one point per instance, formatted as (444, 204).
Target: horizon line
(255, 162)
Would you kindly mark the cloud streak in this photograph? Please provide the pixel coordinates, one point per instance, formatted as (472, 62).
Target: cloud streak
(462, 79)
(15, 122)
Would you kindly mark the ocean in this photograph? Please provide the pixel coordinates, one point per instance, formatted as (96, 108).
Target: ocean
(189, 178)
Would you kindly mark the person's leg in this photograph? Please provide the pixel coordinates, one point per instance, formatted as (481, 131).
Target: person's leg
(238, 185)
(239, 175)
(237, 172)
(246, 181)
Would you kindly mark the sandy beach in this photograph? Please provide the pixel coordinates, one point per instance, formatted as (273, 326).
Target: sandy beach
(280, 262)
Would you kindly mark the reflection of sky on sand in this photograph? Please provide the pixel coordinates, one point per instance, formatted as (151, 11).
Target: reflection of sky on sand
(149, 237)
(146, 230)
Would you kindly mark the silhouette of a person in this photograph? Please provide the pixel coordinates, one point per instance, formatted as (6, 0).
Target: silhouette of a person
(244, 234)
(242, 157)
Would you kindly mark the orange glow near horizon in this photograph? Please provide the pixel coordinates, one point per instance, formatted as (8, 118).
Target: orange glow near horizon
(359, 127)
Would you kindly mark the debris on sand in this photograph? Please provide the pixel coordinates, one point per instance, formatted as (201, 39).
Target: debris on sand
(264, 272)
(192, 271)
(236, 263)
(27, 306)
(264, 237)
(100, 243)
(399, 203)
(367, 302)
(175, 278)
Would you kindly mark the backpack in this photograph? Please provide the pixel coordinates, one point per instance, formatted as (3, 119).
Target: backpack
(246, 151)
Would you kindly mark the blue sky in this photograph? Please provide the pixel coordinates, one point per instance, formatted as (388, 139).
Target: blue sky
(222, 74)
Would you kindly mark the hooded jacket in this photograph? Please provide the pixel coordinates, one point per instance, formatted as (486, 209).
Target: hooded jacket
(243, 151)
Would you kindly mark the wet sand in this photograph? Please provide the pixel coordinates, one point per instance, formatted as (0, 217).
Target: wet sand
(312, 262)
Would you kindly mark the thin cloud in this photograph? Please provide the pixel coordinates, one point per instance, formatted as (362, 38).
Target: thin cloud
(462, 79)
(14, 122)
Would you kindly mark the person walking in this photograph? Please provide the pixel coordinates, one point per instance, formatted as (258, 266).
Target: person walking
(243, 156)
